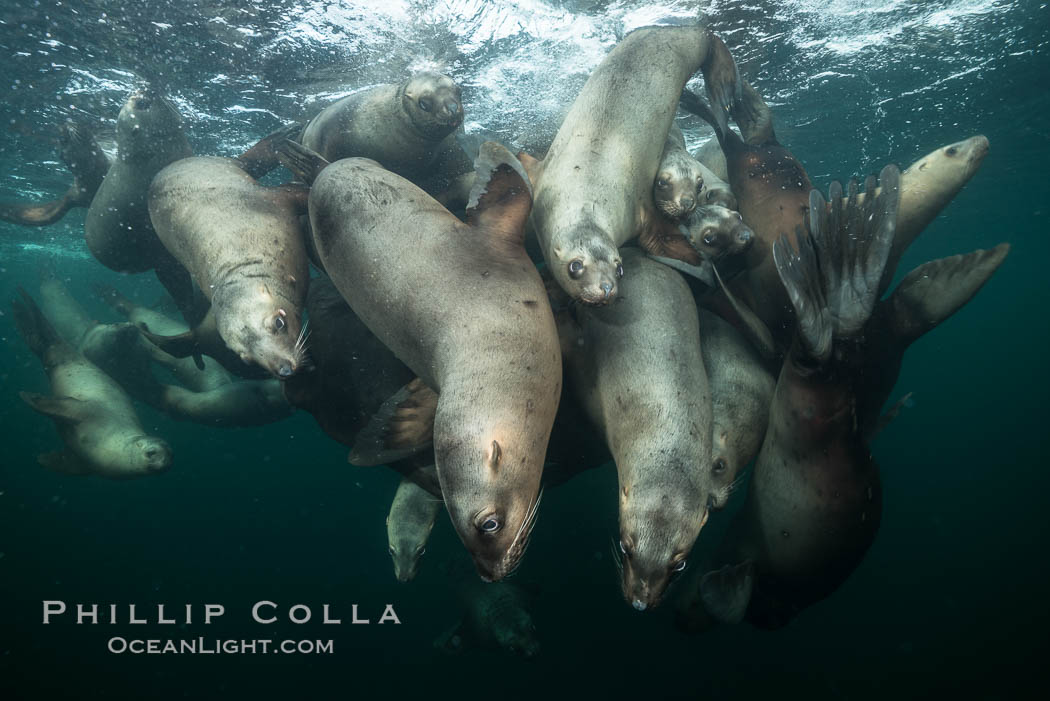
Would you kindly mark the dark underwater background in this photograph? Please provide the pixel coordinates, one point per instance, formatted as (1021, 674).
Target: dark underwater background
(952, 597)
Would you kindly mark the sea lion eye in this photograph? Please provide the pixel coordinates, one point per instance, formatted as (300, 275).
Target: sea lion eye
(576, 268)
(424, 104)
(391, 550)
(279, 323)
(661, 183)
(740, 216)
(623, 548)
(952, 151)
(619, 270)
(680, 566)
(490, 525)
(709, 239)
(719, 466)
(420, 550)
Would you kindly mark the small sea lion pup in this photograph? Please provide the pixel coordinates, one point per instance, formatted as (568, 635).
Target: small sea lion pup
(408, 526)
(461, 304)
(98, 425)
(814, 501)
(88, 164)
(637, 369)
(242, 243)
(683, 183)
(593, 191)
(408, 128)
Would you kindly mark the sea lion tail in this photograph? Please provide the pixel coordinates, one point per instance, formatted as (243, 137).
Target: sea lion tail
(402, 426)
(832, 278)
(304, 164)
(934, 291)
(33, 326)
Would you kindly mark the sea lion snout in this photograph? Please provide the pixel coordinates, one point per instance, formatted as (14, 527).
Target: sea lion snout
(154, 453)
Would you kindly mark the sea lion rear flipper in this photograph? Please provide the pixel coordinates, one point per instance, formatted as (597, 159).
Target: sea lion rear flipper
(722, 80)
(501, 197)
(33, 326)
(58, 408)
(934, 291)
(693, 103)
(261, 158)
(833, 278)
(726, 592)
(402, 426)
(751, 326)
(301, 161)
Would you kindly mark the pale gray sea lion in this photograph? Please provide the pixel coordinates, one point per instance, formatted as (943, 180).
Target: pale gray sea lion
(408, 526)
(409, 128)
(593, 191)
(637, 368)
(65, 313)
(88, 164)
(461, 304)
(98, 425)
(242, 243)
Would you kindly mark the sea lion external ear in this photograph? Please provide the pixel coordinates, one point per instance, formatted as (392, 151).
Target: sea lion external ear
(402, 426)
(934, 291)
(726, 592)
(502, 194)
(494, 456)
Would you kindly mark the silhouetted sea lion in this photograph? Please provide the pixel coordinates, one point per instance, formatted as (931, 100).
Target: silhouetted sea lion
(408, 526)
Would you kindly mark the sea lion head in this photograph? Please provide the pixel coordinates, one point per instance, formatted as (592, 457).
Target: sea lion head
(406, 552)
(588, 267)
(678, 185)
(148, 122)
(147, 455)
(260, 327)
(950, 167)
(434, 103)
(716, 232)
(658, 528)
(491, 490)
(718, 194)
(516, 633)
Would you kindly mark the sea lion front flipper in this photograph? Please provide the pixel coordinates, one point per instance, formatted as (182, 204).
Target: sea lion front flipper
(402, 426)
(934, 291)
(726, 592)
(261, 158)
(66, 409)
(304, 164)
(532, 165)
(501, 197)
(702, 272)
(182, 345)
(453, 641)
(753, 328)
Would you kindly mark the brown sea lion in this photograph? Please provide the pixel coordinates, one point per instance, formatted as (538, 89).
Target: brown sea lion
(682, 182)
(772, 189)
(637, 368)
(98, 425)
(462, 305)
(593, 191)
(408, 526)
(88, 164)
(409, 128)
(242, 244)
(814, 501)
(496, 617)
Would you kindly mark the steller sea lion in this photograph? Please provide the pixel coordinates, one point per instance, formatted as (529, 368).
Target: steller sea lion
(88, 164)
(593, 191)
(98, 425)
(409, 128)
(496, 617)
(408, 526)
(242, 243)
(814, 501)
(62, 310)
(637, 369)
(461, 304)
(682, 182)
(772, 189)
(741, 391)
(184, 370)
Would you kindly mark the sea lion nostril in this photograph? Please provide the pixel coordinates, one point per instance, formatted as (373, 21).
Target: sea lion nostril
(607, 288)
(285, 371)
